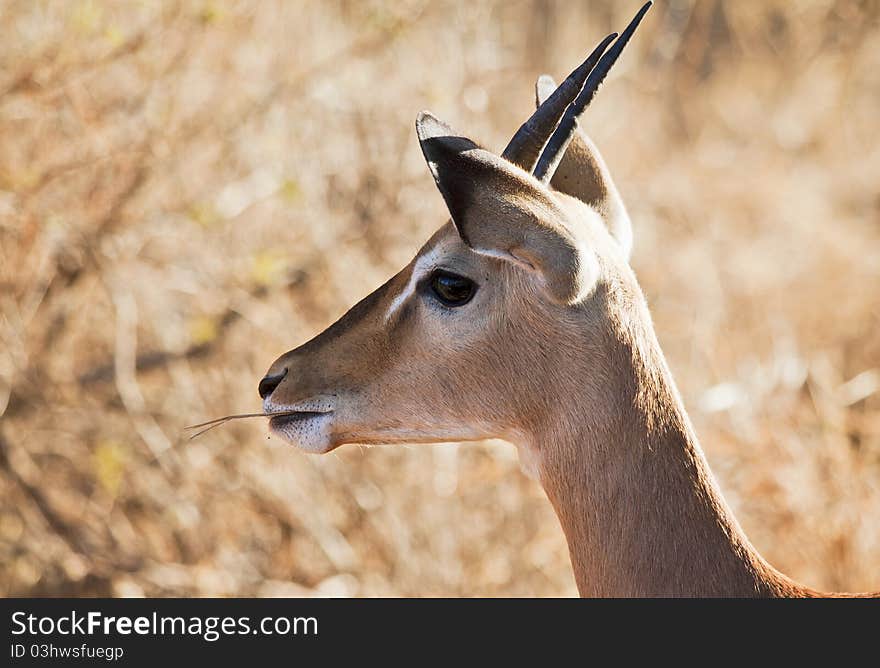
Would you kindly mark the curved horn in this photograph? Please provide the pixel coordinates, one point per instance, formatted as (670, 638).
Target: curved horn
(525, 146)
(559, 140)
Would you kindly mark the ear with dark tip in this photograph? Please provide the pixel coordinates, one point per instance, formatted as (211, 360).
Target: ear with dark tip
(583, 174)
(502, 211)
(438, 140)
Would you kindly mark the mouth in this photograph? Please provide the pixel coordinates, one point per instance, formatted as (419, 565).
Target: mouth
(280, 421)
(302, 424)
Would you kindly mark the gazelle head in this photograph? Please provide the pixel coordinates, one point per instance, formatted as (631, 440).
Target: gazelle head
(475, 337)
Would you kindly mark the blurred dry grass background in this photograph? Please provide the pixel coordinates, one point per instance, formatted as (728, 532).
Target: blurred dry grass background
(189, 189)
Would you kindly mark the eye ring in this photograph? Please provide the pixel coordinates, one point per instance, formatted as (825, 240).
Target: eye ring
(451, 289)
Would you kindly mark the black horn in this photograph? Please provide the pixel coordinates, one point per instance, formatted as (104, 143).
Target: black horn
(525, 147)
(559, 140)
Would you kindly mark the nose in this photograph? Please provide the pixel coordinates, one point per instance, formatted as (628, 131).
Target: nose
(269, 383)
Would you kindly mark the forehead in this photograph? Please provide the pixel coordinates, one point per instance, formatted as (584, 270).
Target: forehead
(444, 240)
(445, 248)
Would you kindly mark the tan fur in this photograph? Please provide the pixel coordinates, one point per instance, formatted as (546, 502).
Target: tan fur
(556, 352)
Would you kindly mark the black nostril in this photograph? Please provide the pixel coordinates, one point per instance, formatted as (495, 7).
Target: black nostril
(269, 383)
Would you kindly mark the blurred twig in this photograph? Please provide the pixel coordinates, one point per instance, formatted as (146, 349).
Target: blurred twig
(59, 526)
(126, 377)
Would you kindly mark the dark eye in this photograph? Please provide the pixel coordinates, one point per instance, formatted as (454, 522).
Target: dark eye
(451, 289)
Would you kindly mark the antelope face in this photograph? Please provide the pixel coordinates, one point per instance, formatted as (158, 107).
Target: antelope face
(412, 362)
(462, 344)
(450, 349)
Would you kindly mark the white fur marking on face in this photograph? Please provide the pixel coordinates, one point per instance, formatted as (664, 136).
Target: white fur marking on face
(419, 270)
(505, 255)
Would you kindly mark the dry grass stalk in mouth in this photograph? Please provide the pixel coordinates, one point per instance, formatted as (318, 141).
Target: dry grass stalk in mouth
(216, 422)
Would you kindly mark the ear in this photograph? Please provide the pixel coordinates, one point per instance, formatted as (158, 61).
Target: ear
(502, 211)
(583, 174)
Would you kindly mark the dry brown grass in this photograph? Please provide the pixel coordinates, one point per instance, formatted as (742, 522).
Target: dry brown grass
(188, 189)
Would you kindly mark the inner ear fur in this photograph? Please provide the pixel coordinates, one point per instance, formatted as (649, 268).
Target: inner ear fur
(502, 211)
(583, 174)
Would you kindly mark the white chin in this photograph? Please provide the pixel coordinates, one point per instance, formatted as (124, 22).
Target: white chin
(308, 433)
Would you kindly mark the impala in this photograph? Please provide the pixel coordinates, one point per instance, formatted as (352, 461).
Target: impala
(521, 319)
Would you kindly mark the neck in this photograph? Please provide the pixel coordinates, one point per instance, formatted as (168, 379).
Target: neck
(639, 507)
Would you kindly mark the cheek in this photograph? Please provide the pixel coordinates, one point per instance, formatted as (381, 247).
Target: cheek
(440, 352)
(426, 348)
